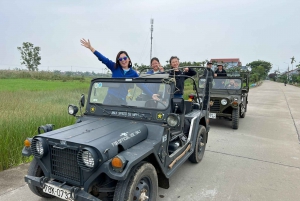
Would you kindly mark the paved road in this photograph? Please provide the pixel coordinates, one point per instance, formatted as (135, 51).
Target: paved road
(259, 161)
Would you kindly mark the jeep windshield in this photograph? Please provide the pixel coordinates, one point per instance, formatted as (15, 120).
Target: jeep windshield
(223, 83)
(130, 94)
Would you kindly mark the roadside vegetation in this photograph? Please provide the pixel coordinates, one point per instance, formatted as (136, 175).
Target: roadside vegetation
(27, 104)
(293, 79)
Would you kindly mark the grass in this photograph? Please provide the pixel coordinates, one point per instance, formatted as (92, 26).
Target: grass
(25, 105)
(39, 75)
(16, 85)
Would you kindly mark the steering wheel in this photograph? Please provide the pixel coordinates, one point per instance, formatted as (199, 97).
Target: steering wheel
(158, 101)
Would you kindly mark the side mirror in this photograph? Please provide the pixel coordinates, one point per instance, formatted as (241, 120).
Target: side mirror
(82, 100)
(177, 105)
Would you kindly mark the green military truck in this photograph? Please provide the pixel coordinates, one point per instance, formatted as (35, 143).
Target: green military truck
(229, 96)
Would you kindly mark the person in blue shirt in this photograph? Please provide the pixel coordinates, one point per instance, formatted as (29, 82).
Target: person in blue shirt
(156, 67)
(122, 68)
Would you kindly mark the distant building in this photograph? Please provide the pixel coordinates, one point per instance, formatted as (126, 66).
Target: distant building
(227, 62)
(291, 72)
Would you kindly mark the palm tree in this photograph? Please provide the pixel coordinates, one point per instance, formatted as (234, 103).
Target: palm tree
(293, 60)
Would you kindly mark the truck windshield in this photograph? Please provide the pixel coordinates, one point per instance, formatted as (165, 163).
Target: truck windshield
(228, 83)
(130, 94)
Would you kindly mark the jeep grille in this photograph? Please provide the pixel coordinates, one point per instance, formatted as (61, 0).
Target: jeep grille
(216, 106)
(64, 163)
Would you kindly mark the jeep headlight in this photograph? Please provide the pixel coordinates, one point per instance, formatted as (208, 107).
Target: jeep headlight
(72, 110)
(224, 102)
(38, 147)
(173, 120)
(87, 159)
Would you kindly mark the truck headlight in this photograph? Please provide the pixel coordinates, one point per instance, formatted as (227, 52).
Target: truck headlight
(224, 102)
(87, 159)
(38, 147)
(72, 110)
(173, 120)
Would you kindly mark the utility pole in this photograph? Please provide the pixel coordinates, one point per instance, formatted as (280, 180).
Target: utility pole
(151, 21)
(288, 74)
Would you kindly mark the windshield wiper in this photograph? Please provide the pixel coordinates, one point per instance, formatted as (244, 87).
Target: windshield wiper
(132, 106)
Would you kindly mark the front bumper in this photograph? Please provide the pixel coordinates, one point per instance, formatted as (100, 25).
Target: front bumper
(76, 193)
(223, 115)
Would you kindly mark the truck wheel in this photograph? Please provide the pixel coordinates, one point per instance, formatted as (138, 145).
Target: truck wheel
(199, 150)
(35, 170)
(140, 185)
(243, 112)
(235, 118)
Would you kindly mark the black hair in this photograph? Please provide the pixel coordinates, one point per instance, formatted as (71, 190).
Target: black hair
(154, 59)
(173, 57)
(117, 59)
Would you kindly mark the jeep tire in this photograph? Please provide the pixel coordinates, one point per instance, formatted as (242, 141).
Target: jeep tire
(235, 118)
(199, 150)
(242, 115)
(35, 170)
(140, 183)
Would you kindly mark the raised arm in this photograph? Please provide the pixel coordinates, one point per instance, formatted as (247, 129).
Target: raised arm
(189, 72)
(110, 64)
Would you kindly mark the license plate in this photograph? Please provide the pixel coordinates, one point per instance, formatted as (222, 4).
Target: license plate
(58, 192)
(212, 115)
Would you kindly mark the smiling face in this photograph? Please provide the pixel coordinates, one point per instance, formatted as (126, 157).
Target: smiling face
(155, 65)
(175, 63)
(124, 60)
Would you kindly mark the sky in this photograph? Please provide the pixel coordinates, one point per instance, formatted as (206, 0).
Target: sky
(193, 30)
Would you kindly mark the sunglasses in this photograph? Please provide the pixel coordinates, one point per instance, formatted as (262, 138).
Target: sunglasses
(123, 58)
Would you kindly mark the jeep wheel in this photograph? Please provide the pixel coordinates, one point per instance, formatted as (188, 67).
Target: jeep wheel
(235, 118)
(243, 111)
(199, 150)
(141, 184)
(35, 170)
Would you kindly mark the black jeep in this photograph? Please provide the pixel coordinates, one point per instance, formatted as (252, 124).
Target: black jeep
(118, 150)
(229, 96)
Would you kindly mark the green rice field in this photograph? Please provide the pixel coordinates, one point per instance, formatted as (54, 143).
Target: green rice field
(27, 104)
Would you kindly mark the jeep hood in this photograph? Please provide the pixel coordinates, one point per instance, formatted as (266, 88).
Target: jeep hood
(110, 134)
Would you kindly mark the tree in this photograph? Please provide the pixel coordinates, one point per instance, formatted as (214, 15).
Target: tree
(266, 65)
(30, 56)
(260, 70)
(293, 60)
